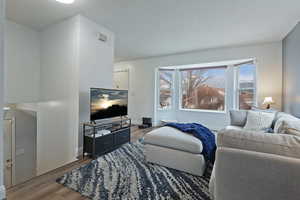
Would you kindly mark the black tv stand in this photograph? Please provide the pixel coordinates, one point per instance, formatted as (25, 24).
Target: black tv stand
(100, 138)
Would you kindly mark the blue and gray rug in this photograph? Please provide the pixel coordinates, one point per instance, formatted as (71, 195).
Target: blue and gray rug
(125, 175)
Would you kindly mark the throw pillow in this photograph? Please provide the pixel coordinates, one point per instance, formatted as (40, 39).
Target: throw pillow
(291, 131)
(238, 117)
(268, 111)
(281, 118)
(257, 121)
(292, 127)
(279, 126)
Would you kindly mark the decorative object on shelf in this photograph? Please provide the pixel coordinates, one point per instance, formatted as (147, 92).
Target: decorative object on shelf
(268, 101)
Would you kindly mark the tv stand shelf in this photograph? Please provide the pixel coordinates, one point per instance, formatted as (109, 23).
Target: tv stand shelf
(103, 137)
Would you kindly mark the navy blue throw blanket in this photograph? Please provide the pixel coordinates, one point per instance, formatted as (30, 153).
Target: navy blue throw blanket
(203, 134)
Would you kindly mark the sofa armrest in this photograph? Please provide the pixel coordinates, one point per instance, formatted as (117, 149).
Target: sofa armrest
(249, 175)
(279, 144)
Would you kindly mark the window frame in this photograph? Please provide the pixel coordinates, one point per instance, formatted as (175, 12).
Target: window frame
(172, 89)
(202, 110)
(237, 86)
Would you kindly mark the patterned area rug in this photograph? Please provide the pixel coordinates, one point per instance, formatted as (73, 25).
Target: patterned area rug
(125, 175)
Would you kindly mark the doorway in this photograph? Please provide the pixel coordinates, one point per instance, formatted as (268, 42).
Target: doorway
(121, 79)
(20, 132)
(9, 152)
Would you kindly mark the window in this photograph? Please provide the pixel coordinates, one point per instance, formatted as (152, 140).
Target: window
(246, 87)
(165, 88)
(203, 88)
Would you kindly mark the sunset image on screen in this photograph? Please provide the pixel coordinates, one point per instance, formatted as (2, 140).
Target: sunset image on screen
(108, 103)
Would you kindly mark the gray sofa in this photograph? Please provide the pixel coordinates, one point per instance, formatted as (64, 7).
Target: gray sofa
(253, 165)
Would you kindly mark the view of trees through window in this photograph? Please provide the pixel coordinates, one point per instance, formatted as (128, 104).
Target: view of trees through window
(246, 86)
(165, 88)
(203, 88)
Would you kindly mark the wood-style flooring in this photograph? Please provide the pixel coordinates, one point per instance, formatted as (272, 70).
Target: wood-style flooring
(45, 188)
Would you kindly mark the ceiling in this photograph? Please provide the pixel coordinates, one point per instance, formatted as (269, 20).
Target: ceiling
(146, 28)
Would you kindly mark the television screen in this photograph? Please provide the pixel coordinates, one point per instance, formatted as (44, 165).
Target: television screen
(108, 103)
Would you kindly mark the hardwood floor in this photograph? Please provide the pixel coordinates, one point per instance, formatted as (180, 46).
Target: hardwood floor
(45, 188)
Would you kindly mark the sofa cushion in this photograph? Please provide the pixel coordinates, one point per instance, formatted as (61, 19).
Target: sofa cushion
(268, 111)
(238, 117)
(284, 115)
(279, 144)
(292, 131)
(280, 118)
(279, 128)
(259, 120)
(291, 127)
(267, 130)
(172, 138)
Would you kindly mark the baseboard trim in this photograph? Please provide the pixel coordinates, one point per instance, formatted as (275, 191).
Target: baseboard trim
(2, 192)
(136, 122)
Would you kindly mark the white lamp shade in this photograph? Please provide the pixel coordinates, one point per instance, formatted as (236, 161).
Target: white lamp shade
(268, 100)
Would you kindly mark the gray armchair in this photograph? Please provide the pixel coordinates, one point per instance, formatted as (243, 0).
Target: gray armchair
(256, 166)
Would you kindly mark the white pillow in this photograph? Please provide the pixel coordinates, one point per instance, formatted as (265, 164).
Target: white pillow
(292, 127)
(257, 121)
(280, 122)
(279, 126)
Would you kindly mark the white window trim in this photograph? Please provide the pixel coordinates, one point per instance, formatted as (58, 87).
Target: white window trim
(172, 90)
(236, 102)
(202, 110)
(230, 101)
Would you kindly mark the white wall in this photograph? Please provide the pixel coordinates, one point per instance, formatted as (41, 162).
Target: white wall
(72, 61)
(2, 21)
(22, 68)
(142, 79)
(291, 69)
(58, 110)
(121, 79)
(21, 83)
(96, 65)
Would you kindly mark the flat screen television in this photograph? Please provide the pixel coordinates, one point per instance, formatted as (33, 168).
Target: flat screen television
(108, 103)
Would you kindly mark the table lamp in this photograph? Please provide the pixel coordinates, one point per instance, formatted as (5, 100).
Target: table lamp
(268, 101)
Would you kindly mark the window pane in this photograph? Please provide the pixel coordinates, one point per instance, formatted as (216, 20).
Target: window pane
(246, 86)
(203, 88)
(246, 76)
(246, 99)
(165, 89)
